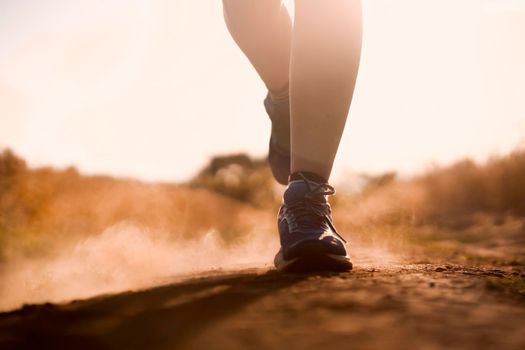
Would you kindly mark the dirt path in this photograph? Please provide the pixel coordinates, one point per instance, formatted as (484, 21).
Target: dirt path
(403, 306)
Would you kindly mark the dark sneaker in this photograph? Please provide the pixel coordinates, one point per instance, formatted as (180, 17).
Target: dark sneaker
(309, 240)
(279, 149)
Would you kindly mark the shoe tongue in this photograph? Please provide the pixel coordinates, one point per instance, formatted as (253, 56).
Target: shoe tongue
(298, 189)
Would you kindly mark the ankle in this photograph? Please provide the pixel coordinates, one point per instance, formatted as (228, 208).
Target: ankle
(308, 175)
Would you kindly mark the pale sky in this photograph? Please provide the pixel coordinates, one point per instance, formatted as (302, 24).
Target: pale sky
(151, 89)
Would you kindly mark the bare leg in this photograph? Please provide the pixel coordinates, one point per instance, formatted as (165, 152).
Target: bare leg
(325, 55)
(325, 52)
(263, 30)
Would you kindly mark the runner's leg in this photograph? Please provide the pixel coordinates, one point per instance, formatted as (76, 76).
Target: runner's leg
(325, 53)
(263, 30)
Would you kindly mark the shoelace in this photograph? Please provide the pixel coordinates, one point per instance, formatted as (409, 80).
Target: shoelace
(312, 204)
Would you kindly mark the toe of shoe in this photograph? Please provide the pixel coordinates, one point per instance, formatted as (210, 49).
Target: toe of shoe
(316, 247)
(311, 256)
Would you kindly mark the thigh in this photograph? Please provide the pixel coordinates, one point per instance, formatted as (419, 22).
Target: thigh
(251, 7)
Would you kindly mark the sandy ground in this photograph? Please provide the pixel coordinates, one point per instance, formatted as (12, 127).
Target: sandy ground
(376, 306)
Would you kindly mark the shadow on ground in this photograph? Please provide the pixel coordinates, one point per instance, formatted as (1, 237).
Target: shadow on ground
(397, 306)
(160, 318)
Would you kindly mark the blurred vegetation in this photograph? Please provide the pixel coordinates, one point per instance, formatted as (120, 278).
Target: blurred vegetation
(496, 187)
(240, 177)
(44, 205)
(468, 203)
(452, 213)
(374, 183)
(445, 196)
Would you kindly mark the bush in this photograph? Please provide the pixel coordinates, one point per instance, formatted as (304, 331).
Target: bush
(240, 177)
(496, 187)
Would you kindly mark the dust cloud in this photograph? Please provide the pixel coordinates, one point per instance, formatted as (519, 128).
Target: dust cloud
(124, 257)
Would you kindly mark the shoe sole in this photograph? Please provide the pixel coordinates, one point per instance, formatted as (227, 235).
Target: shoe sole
(313, 263)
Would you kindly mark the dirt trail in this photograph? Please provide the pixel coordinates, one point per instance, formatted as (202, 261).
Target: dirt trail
(376, 306)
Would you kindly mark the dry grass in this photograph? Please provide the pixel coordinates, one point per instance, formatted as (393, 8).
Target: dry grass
(497, 187)
(466, 209)
(463, 210)
(40, 206)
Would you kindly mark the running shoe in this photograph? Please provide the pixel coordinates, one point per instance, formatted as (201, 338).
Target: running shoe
(309, 240)
(279, 148)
